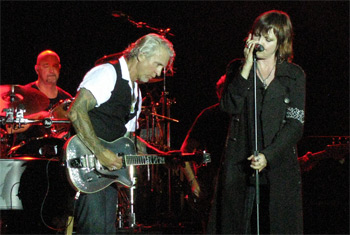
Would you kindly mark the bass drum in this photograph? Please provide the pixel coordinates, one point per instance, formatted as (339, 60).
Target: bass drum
(60, 111)
(41, 147)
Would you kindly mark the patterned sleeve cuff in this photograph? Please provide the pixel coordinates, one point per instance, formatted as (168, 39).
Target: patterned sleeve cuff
(295, 113)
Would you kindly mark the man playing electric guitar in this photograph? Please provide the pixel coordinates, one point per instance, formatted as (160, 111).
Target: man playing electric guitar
(107, 99)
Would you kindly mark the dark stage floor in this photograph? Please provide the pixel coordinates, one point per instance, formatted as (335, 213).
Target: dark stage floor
(326, 210)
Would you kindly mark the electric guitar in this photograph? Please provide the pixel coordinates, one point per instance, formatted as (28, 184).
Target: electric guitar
(86, 174)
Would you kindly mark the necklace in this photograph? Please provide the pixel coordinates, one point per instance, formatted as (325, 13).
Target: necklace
(265, 79)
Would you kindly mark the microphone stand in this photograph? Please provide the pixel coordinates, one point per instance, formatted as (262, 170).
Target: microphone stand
(256, 151)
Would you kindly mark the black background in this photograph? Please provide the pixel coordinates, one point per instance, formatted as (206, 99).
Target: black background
(207, 35)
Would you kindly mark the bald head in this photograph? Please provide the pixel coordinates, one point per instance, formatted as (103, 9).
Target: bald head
(45, 54)
(48, 67)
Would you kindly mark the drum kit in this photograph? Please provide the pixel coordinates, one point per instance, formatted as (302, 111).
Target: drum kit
(19, 102)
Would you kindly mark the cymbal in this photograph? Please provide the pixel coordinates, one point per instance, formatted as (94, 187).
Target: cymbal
(33, 101)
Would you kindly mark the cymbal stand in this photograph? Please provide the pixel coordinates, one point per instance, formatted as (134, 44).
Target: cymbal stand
(12, 95)
(166, 129)
(20, 116)
(154, 138)
(132, 218)
(165, 112)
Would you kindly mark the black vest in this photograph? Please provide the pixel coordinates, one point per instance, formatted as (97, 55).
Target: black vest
(109, 118)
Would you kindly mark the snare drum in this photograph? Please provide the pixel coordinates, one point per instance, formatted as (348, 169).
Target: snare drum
(60, 111)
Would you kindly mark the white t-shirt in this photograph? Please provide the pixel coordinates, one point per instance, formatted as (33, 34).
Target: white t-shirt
(101, 80)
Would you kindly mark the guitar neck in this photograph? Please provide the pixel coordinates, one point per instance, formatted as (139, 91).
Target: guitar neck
(148, 159)
(152, 159)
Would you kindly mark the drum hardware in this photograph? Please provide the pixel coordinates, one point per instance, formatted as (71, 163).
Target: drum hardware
(12, 115)
(47, 122)
(164, 117)
(132, 219)
(15, 117)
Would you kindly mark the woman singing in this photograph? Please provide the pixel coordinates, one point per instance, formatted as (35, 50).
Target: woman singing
(280, 101)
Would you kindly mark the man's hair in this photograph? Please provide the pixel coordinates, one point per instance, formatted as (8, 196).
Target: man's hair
(149, 46)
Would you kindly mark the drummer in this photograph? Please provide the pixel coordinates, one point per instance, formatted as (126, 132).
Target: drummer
(48, 70)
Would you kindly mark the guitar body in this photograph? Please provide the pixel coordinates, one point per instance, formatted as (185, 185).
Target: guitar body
(87, 179)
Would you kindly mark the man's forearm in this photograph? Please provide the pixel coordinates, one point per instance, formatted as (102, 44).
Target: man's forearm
(78, 114)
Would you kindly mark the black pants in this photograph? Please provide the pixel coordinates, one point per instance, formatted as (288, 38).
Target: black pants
(96, 212)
